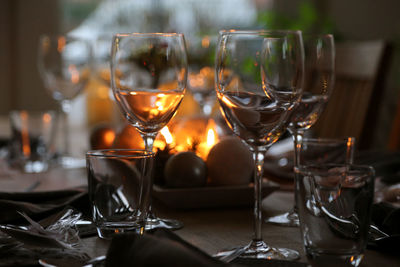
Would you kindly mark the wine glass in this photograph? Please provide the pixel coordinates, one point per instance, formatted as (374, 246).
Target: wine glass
(259, 76)
(64, 65)
(318, 85)
(148, 79)
(201, 72)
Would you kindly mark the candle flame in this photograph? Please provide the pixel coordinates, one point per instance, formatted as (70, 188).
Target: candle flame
(210, 138)
(167, 135)
(161, 144)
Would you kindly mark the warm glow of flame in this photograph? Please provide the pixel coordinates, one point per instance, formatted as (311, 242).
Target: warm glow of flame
(74, 73)
(196, 80)
(26, 148)
(46, 118)
(159, 104)
(208, 141)
(168, 139)
(193, 135)
(205, 42)
(60, 44)
(109, 137)
(211, 138)
(167, 135)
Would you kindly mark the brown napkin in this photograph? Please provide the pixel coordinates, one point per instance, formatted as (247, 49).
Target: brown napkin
(39, 205)
(162, 248)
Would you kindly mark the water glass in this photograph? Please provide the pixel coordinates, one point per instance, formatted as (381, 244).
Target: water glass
(326, 150)
(334, 206)
(32, 139)
(119, 185)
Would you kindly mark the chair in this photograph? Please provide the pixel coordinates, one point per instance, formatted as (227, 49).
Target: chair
(361, 69)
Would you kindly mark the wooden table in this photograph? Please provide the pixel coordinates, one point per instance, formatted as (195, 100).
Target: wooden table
(217, 229)
(209, 229)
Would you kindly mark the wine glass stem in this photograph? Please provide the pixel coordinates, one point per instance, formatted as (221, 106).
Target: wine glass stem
(148, 139)
(297, 135)
(259, 162)
(66, 110)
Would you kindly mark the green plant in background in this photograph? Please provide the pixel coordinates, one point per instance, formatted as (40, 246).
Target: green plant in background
(308, 19)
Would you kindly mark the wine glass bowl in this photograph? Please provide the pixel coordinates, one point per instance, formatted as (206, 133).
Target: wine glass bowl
(319, 79)
(149, 74)
(259, 78)
(318, 85)
(64, 64)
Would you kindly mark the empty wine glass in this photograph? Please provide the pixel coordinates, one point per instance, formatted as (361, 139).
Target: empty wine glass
(318, 85)
(64, 65)
(148, 78)
(259, 76)
(201, 53)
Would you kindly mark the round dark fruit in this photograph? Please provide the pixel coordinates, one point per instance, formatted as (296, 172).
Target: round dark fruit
(185, 169)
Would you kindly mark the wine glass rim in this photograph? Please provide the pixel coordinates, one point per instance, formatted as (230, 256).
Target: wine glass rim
(149, 34)
(318, 35)
(335, 168)
(120, 153)
(258, 31)
(58, 35)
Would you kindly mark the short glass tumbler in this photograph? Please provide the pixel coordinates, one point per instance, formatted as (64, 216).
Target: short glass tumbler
(31, 146)
(334, 205)
(119, 184)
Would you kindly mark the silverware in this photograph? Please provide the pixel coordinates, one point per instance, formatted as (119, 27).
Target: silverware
(95, 262)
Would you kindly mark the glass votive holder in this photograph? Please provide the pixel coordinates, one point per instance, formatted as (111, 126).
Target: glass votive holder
(32, 139)
(119, 185)
(334, 205)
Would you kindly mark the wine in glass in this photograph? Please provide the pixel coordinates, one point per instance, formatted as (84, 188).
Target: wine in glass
(64, 65)
(148, 78)
(318, 85)
(259, 76)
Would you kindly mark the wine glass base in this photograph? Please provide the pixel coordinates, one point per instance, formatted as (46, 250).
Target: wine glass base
(258, 250)
(290, 219)
(71, 163)
(171, 224)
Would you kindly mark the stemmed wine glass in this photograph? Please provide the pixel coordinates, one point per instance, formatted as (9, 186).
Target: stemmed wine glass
(201, 72)
(259, 76)
(64, 65)
(318, 85)
(148, 79)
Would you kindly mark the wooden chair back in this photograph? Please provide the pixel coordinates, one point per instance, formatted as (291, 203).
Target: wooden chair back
(347, 112)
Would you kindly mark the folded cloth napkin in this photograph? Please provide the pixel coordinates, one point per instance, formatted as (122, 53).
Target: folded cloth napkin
(387, 218)
(164, 248)
(39, 205)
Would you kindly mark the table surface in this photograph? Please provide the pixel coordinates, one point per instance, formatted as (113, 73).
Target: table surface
(209, 229)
